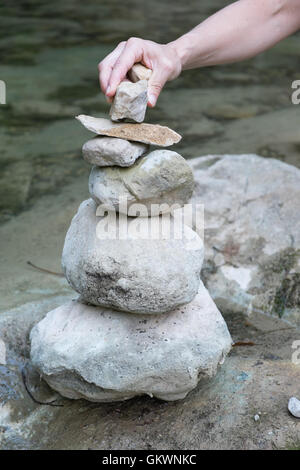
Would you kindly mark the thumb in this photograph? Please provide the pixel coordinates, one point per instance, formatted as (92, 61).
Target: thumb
(155, 85)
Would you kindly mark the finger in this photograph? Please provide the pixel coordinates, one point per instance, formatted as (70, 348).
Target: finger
(131, 54)
(156, 83)
(106, 66)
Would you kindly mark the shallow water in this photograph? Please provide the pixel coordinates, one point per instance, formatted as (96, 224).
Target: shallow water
(49, 53)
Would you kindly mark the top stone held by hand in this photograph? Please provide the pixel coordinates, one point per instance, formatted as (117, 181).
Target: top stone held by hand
(130, 101)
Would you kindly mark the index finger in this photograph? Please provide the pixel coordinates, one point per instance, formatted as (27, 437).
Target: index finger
(106, 66)
(131, 54)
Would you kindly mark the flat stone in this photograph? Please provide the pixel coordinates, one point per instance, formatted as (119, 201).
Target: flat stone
(139, 72)
(130, 101)
(103, 355)
(147, 133)
(162, 178)
(252, 233)
(130, 264)
(294, 407)
(110, 151)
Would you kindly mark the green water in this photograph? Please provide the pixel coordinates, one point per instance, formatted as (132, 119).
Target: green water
(49, 54)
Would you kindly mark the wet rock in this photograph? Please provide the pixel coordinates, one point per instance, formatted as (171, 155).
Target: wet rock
(252, 233)
(15, 181)
(139, 72)
(2, 352)
(130, 101)
(232, 111)
(131, 264)
(104, 355)
(146, 133)
(109, 151)
(38, 389)
(203, 128)
(160, 178)
(294, 407)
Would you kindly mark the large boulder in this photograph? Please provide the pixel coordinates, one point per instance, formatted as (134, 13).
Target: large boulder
(161, 178)
(252, 233)
(104, 355)
(146, 266)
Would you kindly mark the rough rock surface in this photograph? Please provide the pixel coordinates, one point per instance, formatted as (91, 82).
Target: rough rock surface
(130, 101)
(104, 355)
(109, 151)
(218, 414)
(147, 133)
(139, 72)
(141, 273)
(162, 178)
(252, 233)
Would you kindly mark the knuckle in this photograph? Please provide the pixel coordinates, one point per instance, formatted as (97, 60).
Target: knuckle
(133, 41)
(100, 66)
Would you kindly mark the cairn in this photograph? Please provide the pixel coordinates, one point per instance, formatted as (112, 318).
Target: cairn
(143, 323)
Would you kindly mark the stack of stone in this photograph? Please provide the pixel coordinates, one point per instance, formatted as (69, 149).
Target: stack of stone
(144, 323)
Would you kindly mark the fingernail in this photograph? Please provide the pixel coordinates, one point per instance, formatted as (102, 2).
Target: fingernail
(107, 90)
(152, 100)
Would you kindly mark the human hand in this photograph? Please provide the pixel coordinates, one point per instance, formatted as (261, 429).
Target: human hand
(162, 59)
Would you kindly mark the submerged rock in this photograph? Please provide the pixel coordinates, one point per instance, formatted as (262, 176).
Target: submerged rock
(161, 178)
(252, 233)
(109, 151)
(140, 268)
(104, 355)
(146, 133)
(130, 101)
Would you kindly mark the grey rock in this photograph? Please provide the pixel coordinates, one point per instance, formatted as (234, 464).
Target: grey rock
(109, 151)
(147, 133)
(135, 271)
(294, 407)
(104, 355)
(252, 233)
(130, 101)
(142, 422)
(162, 178)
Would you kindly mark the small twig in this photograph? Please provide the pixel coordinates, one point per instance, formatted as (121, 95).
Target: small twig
(43, 270)
(279, 329)
(243, 343)
(49, 403)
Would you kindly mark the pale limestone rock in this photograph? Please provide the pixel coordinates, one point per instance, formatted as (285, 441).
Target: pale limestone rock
(160, 178)
(139, 268)
(110, 151)
(252, 233)
(294, 407)
(130, 101)
(104, 355)
(139, 72)
(147, 133)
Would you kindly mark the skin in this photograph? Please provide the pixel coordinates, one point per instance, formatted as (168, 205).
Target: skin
(238, 32)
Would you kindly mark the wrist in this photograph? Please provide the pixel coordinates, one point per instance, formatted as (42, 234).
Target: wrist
(182, 49)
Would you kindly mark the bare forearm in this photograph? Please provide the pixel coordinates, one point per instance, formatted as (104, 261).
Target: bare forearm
(237, 32)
